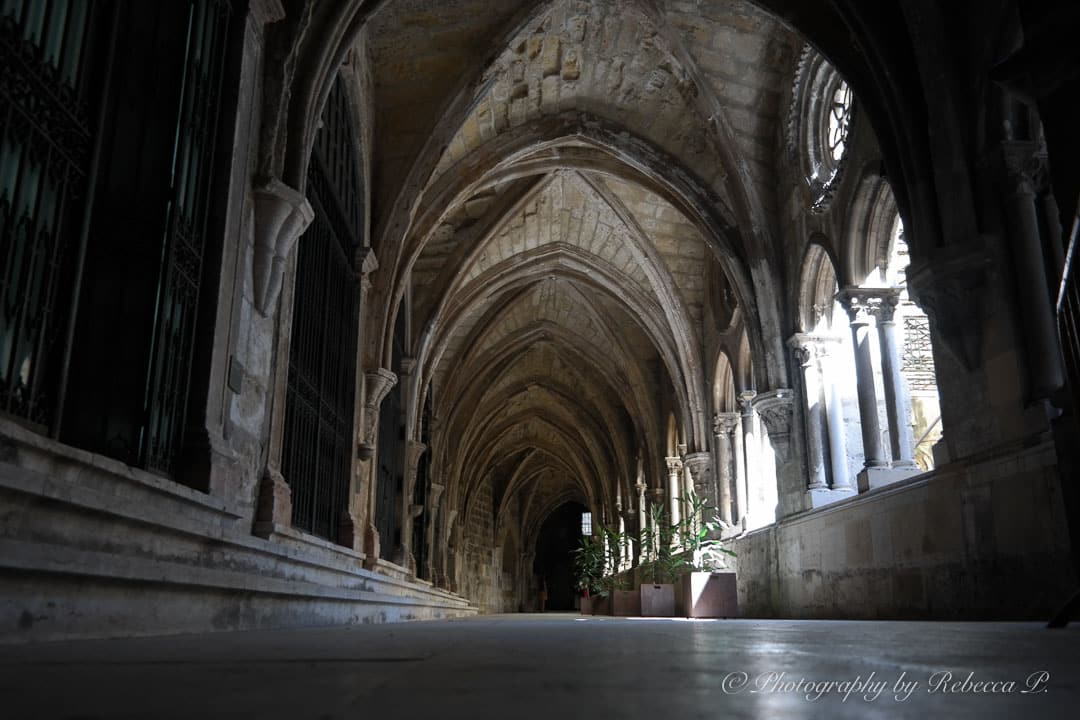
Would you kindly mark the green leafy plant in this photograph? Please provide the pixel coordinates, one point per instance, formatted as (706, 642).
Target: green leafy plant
(589, 564)
(658, 540)
(701, 537)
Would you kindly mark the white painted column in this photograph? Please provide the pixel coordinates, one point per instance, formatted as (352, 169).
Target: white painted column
(751, 439)
(675, 472)
(856, 303)
(901, 439)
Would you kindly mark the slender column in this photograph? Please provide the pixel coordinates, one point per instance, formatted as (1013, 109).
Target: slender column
(837, 432)
(675, 468)
(901, 439)
(1043, 361)
(403, 555)
(643, 515)
(775, 407)
(739, 466)
(724, 424)
(856, 303)
(806, 351)
(751, 437)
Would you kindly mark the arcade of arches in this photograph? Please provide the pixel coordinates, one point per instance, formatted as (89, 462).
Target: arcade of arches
(328, 312)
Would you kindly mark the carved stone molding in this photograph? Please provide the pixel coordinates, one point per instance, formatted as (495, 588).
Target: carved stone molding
(725, 423)
(377, 383)
(775, 408)
(674, 464)
(413, 452)
(949, 288)
(282, 214)
(863, 303)
(700, 466)
(746, 401)
(808, 347)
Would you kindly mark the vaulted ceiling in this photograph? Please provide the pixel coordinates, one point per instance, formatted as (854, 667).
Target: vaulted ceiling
(555, 183)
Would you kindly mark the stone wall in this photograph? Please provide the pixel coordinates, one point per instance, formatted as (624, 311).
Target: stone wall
(988, 540)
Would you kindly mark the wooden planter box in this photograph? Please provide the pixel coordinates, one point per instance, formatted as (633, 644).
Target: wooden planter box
(657, 600)
(626, 603)
(600, 605)
(585, 605)
(708, 595)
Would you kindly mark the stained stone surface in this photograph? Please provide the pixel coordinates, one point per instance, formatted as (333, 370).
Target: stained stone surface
(539, 666)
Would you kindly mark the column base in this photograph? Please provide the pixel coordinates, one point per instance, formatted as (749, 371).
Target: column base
(876, 477)
(827, 496)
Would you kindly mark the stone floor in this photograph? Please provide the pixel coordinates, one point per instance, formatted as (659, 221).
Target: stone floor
(558, 666)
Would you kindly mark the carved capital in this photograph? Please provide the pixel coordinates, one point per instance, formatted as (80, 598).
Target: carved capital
(808, 348)
(725, 423)
(949, 288)
(746, 401)
(282, 214)
(862, 303)
(413, 452)
(674, 464)
(436, 495)
(700, 466)
(1025, 166)
(775, 408)
(884, 306)
(377, 383)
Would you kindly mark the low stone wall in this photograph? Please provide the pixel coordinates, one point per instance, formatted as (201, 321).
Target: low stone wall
(91, 548)
(979, 540)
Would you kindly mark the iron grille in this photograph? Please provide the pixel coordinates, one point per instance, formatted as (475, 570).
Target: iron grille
(317, 448)
(182, 253)
(44, 155)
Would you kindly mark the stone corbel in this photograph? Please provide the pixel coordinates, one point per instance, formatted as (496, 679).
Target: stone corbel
(377, 383)
(282, 214)
(949, 288)
(775, 410)
(700, 466)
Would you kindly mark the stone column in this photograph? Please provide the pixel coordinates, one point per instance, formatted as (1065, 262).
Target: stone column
(403, 555)
(724, 425)
(901, 438)
(700, 465)
(807, 353)
(856, 303)
(837, 431)
(377, 384)
(643, 515)
(435, 498)
(1024, 164)
(675, 471)
(751, 437)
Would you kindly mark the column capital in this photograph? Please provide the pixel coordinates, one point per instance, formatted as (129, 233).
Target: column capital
(674, 464)
(775, 409)
(408, 365)
(1025, 165)
(862, 303)
(377, 383)
(746, 401)
(698, 464)
(808, 347)
(725, 423)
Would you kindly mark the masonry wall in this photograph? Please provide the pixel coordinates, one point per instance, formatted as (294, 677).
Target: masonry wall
(985, 540)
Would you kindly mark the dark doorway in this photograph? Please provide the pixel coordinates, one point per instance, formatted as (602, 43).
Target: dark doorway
(559, 536)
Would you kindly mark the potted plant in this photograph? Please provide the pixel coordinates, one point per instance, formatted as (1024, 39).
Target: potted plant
(707, 586)
(588, 566)
(658, 589)
(624, 601)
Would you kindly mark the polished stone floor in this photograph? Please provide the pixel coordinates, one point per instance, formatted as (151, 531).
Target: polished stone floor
(558, 666)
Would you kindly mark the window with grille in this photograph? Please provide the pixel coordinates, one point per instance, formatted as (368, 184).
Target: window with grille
(317, 450)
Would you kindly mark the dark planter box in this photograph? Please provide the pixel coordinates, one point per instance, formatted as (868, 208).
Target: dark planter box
(586, 605)
(626, 603)
(600, 605)
(708, 595)
(657, 600)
